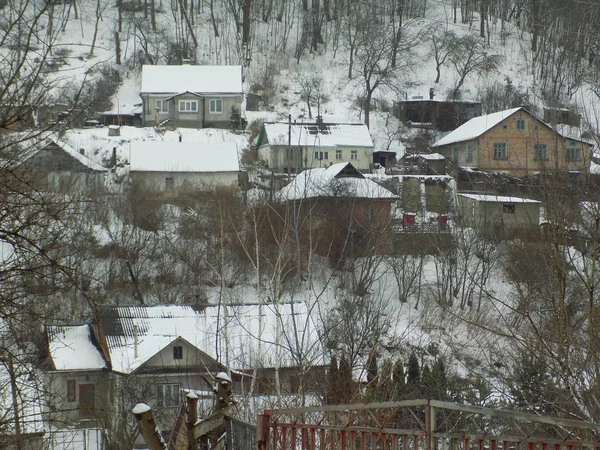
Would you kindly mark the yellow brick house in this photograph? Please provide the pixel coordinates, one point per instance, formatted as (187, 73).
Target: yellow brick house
(515, 142)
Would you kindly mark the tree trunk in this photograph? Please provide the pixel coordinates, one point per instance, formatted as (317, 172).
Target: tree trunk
(117, 48)
(95, 28)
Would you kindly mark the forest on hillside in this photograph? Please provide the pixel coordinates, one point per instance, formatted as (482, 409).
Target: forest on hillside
(490, 322)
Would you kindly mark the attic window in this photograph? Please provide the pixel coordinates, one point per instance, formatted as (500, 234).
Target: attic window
(178, 352)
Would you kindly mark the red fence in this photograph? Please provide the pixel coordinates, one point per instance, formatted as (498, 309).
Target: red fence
(434, 425)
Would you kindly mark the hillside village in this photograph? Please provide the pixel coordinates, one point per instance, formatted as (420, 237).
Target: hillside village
(199, 213)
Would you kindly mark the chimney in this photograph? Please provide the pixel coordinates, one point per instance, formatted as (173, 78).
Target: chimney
(135, 341)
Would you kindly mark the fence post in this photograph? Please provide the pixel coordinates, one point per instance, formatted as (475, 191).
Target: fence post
(148, 429)
(192, 418)
(262, 431)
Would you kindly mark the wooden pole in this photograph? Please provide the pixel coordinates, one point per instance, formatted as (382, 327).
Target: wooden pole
(148, 428)
(192, 418)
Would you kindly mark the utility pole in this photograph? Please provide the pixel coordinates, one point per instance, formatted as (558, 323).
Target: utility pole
(289, 155)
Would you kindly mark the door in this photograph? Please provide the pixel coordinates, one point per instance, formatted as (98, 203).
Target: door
(87, 399)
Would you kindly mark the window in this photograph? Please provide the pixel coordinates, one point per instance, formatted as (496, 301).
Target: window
(71, 390)
(369, 211)
(455, 155)
(188, 106)
(162, 106)
(354, 155)
(540, 152)
(169, 183)
(167, 395)
(215, 106)
(338, 154)
(508, 209)
(469, 152)
(573, 154)
(321, 155)
(178, 352)
(520, 124)
(500, 150)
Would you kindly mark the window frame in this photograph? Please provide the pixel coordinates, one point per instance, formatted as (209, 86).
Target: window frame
(540, 152)
(353, 155)
(321, 155)
(170, 400)
(454, 154)
(369, 211)
(469, 152)
(338, 155)
(508, 208)
(189, 106)
(164, 105)
(500, 151)
(212, 106)
(521, 124)
(71, 391)
(568, 155)
(177, 352)
(169, 184)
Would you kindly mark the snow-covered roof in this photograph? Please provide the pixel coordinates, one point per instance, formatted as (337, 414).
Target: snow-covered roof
(326, 135)
(30, 146)
(431, 156)
(498, 198)
(199, 79)
(332, 182)
(160, 156)
(475, 127)
(71, 348)
(246, 336)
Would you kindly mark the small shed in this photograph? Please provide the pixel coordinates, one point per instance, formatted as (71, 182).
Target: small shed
(431, 164)
(492, 212)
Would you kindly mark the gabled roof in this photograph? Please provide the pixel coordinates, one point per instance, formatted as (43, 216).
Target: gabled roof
(42, 140)
(72, 348)
(232, 331)
(160, 156)
(476, 127)
(338, 180)
(198, 79)
(490, 198)
(314, 135)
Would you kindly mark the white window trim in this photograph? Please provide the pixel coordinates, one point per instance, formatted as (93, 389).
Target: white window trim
(186, 103)
(213, 101)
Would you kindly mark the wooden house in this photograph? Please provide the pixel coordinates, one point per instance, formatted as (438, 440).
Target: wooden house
(53, 165)
(442, 115)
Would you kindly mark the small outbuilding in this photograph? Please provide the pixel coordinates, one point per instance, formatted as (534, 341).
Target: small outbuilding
(496, 213)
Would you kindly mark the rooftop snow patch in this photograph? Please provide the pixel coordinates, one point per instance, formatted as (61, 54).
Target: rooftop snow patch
(498, 198)
(475, 127)
(160, 156)
(331, 182)
(198, 79)
(71, 348)
(248, 335)
(325, 135)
